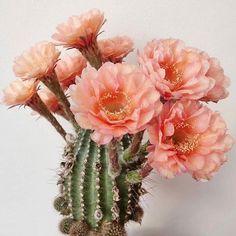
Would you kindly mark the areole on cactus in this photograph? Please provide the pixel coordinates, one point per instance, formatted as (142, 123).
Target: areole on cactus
(110, 105)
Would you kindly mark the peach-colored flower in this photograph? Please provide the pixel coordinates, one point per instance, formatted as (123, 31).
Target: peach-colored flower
(115, 100)
(37, 62)
(80, 31)
(115, 49)
(68, 67)
(188, 137)
(50, 100)
(176, 72)
(19, 92)
(222, 82)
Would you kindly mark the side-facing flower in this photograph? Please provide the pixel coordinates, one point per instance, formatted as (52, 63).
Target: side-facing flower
(68, 67)
(115, 49)
(37, 62)
(49, 99)
(176, 72)
(115, 100)
(188, 137)
(80, 31)
(222, 82)
(19, 92)
(24, 93)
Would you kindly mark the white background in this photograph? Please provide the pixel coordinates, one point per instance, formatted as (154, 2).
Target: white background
(30, 149)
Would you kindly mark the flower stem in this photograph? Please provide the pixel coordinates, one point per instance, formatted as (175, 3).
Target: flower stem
(37, 105)
(53, 84)
(136, 142)
(146, 170)
(114, 157)
(93, 55)
(134, 147)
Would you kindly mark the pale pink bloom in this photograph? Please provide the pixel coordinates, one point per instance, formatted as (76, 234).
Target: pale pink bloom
(80, 31)
(50, 100)
(37, 62)
(115, 100)
(188, 137)
(115, 49)
(68, 67)
(176, 72)
(222, 82)
(19, 92)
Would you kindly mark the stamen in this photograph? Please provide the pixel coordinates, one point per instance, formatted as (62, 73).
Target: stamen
(183, 141)
(172, 74)
(116, 105)
(188, 144)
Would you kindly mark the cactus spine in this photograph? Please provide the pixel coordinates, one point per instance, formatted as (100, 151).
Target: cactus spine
(94, 201)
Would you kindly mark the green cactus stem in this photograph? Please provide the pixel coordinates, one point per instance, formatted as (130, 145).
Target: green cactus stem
(96, 202)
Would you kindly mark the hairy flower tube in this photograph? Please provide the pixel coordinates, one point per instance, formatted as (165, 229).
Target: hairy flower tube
(24, 93)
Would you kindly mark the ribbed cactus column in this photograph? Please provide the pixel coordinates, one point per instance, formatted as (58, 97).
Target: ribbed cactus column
(93, 202)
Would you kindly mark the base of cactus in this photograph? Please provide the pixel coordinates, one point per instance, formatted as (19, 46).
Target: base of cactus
(93, 200)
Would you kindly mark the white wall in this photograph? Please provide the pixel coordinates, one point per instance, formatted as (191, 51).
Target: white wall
(30, 149)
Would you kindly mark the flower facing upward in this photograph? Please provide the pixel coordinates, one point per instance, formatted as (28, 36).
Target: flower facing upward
(115, 49)
(80, 31)
(19, 92)
(188, 137)
(37, 62)
(176, 72)
(115, 100)
(68, 67)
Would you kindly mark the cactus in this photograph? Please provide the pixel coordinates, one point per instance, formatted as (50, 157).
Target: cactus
(96, 201)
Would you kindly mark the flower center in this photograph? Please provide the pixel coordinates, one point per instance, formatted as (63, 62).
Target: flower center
(172, 74)
(116, 105)
(183, 141)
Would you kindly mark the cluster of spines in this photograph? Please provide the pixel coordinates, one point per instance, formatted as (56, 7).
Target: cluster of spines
(95, 199)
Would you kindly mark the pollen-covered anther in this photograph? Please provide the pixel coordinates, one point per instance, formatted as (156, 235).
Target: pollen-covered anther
(116, 105)
(188, 144)
(172, 74)
(184, 141)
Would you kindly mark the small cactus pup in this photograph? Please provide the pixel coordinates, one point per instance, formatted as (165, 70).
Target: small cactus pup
(110, 106)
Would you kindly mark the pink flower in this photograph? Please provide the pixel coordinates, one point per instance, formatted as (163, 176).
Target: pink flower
(115, 100)
(37, 62)
(222, 82)
(19, 92)
(80, 31)
(50, 100)
(115, 49)
(188, 137)
(176, 72)
(69, 67)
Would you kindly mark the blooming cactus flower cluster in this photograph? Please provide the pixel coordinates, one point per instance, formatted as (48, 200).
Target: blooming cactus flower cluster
(91, 86)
